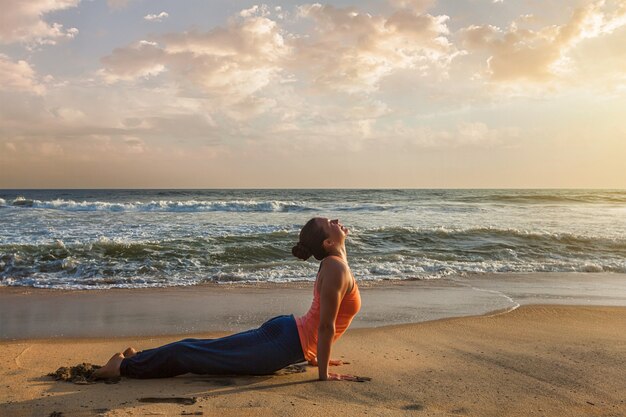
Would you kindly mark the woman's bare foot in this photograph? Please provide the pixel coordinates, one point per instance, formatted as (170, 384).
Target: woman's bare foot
(111, 369)
(130, 352)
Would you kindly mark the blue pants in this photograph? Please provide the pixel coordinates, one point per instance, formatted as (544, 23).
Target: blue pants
(261, 351)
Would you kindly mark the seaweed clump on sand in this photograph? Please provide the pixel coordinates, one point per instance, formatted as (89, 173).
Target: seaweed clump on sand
(80, 374)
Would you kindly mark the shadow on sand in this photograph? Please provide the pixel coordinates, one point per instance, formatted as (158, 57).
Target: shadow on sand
(188, 392)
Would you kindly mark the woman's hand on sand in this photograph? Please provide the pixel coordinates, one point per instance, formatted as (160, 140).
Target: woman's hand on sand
(332, 362)
(342, 377)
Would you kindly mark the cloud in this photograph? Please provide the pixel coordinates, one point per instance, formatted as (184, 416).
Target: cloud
(230, 63)
(600, 63)
(139, 60)
(69, 124)
(256, 10)
(22, 21)
(346, 51)
(541, 55)
(69, 114)
(134, 144)
(254, 78)
(19, 76)
(417, 6)
(156, 17)
(351, 51)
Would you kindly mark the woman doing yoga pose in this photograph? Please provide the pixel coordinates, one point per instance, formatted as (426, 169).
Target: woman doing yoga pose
(279, 342)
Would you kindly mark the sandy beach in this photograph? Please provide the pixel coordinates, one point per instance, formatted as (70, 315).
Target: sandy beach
(532, 360)
(543, 360)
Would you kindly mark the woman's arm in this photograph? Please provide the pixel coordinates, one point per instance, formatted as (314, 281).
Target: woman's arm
(334, 284)
(332, 362)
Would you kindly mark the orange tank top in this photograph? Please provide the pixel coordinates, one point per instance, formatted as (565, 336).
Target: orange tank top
(309, 323)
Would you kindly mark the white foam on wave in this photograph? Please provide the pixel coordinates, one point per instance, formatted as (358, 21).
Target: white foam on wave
(195, 205)
(73, 274)
(166, 205)
(431, 269)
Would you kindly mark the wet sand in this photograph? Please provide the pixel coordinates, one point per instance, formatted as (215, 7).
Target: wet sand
(27, 313)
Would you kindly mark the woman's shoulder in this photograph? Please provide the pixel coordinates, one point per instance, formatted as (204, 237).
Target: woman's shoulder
(334, 268)
(335, 274)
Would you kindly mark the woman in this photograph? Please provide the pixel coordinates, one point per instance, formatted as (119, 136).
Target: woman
(279, 342)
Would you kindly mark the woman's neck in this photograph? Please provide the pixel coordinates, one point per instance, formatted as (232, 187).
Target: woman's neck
(340, 252)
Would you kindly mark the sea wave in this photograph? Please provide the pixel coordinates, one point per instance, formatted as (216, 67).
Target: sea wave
(193, 206)
(164, 205)
(493, 235)
(544, 197)
(375, 253)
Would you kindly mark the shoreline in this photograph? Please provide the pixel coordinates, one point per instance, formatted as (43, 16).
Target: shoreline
(30, 313)
(383, 282)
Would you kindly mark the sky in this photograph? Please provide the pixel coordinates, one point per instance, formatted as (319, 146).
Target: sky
(287, 94)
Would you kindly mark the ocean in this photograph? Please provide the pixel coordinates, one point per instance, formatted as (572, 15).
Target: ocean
(95, 239)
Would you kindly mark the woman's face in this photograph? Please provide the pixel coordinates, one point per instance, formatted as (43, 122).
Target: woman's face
(335, 231)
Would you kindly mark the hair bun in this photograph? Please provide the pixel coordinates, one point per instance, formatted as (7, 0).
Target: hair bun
(301, 251)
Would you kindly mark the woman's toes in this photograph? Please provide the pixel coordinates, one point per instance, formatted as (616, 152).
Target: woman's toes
(111, 369)
(130, 352)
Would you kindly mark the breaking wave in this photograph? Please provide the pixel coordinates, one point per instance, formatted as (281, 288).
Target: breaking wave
(375, 253)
